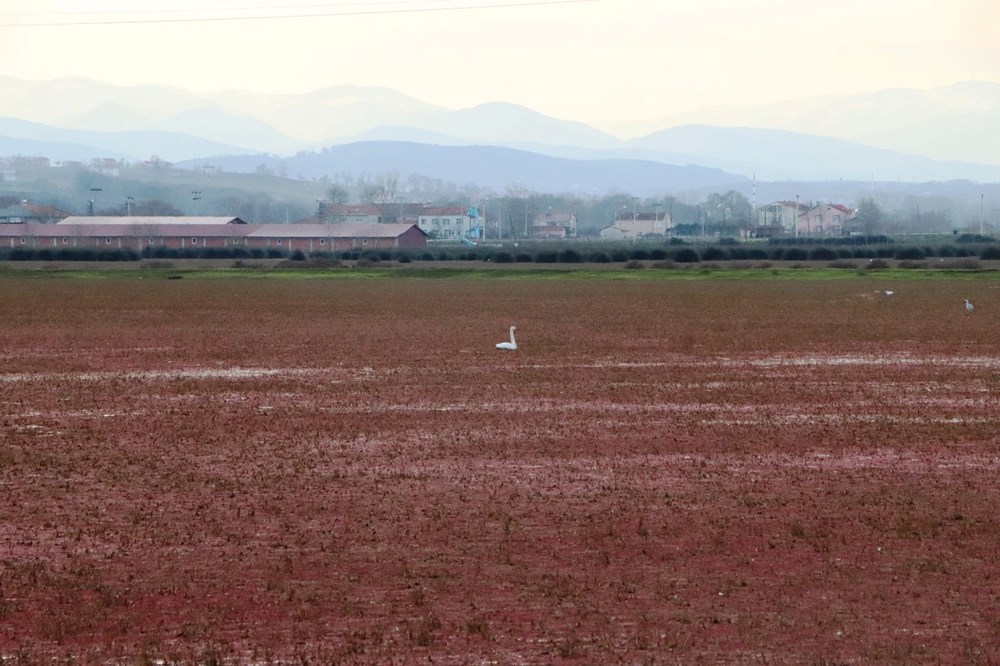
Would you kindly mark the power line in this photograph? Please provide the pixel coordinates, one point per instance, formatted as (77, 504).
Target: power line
(207, 19)
(173, 10)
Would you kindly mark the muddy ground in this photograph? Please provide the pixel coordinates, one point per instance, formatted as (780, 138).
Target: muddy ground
(348, 471)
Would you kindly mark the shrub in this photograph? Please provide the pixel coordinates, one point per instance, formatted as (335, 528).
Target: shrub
(619, 256)
(658, 254)
(599, 257)
(909, 253)
(990, 252)
(686, 255)
(840, 263)
(502, 258)
(638, 254)
(714, 254)
(522, 258)
(822, 254)
(974, 238)
(738, 253)
(633, 264)
(795, 254)
(570, 257)
(297, 255)
(546, 257)
(876, 264)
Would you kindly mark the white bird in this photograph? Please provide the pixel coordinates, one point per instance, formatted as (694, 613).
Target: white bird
(889, 292)
(968, 306)
(509, 345)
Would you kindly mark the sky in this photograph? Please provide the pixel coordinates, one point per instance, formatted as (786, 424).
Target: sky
(603, 62)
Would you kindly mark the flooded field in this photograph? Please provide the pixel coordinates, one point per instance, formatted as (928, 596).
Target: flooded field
(348, 471)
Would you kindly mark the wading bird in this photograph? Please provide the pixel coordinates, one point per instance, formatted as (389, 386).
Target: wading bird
(509, 345)
(969, 307)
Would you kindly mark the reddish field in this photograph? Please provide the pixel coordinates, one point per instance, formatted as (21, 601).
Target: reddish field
(324, 471)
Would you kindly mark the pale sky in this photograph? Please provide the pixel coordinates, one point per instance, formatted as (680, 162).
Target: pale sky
(596, 61)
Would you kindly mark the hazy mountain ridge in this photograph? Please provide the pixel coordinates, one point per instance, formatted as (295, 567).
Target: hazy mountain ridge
(488, 166)
(68, 144)
(903, 119)
(137, 122)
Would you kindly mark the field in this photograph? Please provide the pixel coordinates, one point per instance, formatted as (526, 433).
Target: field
(668, 471)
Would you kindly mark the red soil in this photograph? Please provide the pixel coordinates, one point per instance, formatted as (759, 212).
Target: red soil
(665, 472)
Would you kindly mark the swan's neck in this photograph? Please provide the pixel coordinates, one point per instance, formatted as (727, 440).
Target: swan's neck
(512, 335)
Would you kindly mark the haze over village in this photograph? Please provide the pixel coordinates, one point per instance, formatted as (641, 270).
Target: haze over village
(691, 125)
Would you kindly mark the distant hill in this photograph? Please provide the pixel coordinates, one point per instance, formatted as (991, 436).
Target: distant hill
(67, 144)
(782, 155)
(955, 122)
(488, 166)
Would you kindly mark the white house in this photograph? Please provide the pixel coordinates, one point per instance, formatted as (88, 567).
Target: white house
(446, 222)
(637, 225)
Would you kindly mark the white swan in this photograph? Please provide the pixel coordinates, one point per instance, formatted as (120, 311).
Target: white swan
(968, 306)
(509, 345)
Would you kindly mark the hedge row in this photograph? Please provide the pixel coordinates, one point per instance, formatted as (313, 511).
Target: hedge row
(691, 254)
(678, 254)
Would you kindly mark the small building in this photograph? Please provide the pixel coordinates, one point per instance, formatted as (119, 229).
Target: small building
(359, 213)
(551, 231)
(553, 225)
(777, 218)
(824, 220)
(612, 233)
(445, 222)
(398, 213)
(309, 237)
(629, 226)
(26, 213)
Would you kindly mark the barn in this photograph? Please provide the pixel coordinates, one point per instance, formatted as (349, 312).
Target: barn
(138, 233)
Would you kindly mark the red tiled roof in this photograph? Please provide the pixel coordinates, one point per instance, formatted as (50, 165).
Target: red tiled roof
(443, 210)
(149, 219)
(345, 230)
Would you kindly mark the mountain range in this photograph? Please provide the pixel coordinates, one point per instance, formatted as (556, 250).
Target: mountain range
(940, 134)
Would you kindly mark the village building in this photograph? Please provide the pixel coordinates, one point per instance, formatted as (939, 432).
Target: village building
(824, 220)
(31, 213)
(629, 226)
(359, 213)
(553, 225)
(777, 219)
(449, 222)
(141, 233)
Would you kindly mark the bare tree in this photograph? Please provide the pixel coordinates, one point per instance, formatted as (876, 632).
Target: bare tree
(337, 194)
